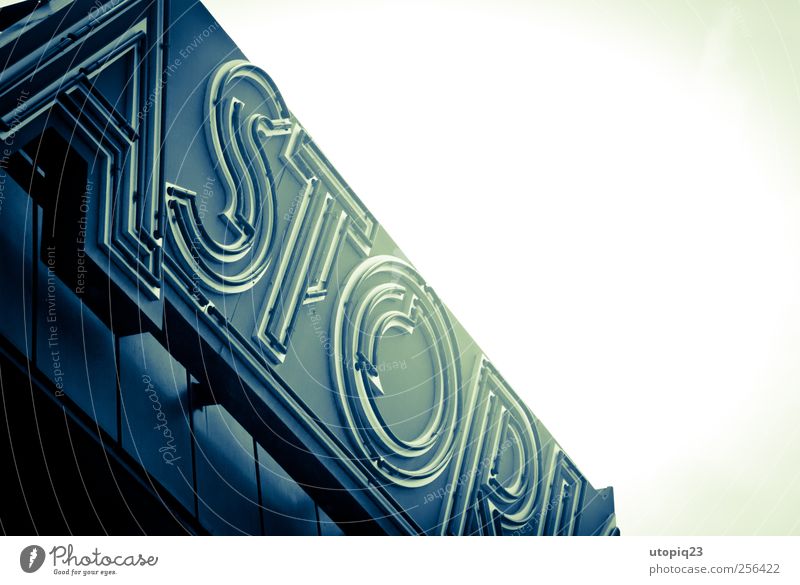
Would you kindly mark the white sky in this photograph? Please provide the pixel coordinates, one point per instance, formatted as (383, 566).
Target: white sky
(606, 199)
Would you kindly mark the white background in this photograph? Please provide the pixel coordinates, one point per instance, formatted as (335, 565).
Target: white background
(356, 560)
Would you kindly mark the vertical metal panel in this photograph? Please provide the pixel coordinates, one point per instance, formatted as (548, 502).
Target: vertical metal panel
(227, 490)
(287, 509)
(75, 350)
(155, 414)
(328, 527)
(16, 239)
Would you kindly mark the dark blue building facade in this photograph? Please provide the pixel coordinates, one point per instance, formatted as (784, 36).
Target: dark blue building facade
(204, 328)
